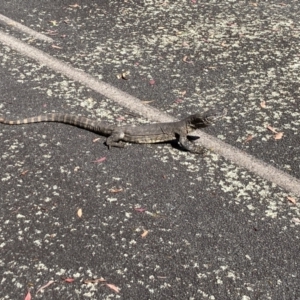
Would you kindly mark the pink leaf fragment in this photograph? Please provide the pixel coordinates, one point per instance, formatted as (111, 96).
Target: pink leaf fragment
(69, 280)
(271, 129)
(46, 285)
(113, 287)
(99, 160)
(152, 81)
(178, 100)
(278, 136)
(28, 296)
(291, 199)
(139, 209)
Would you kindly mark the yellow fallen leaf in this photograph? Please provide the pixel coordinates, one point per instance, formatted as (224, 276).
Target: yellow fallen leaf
(79, 212)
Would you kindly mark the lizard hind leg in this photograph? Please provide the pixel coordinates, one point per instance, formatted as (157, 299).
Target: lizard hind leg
(115, 140)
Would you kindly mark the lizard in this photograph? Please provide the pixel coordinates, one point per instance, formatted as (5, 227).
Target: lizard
(118, 136)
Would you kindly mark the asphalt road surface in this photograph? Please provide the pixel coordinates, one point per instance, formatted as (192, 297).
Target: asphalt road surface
(79, 221)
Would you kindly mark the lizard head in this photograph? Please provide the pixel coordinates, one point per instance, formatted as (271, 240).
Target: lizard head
(202, 120)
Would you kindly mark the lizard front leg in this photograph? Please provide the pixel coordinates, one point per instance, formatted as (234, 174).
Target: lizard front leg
(190, 146)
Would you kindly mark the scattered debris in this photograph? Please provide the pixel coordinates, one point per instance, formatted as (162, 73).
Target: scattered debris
(249, 138)
(145, 233)
(146, 102)
(291, 199)
(69, 280)
(74, 5)
(99, 160)
(123, 75)
(94, 280)
(296, 221)
(263, 104)
(44, 286)
(277, 135)
(178, 101)
(115, 190)
(56, 47)
(139, 209)
(113, 287)
(28, 296)
(152, 81)
(24, 172)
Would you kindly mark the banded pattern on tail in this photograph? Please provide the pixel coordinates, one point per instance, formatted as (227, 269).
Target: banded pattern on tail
(78, 121)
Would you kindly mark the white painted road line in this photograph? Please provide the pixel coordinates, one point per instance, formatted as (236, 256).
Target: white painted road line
(235, 155)
(18, 26)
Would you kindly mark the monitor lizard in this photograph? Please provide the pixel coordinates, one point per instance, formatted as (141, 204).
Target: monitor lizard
(142, 134)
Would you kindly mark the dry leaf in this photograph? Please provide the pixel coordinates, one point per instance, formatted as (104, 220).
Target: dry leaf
(79, 212)
(146, 102)
(121, 118)
(296, 221)
(145, 233)
(69, 280)
(278, 136)
(74, 5)
(263, 104)
(139, 209)
(28, 296)
(184, 58)
(76, 169)
(96, 140)
(56, 47)
(113, 287)
(271, 129)
(99, 160)
(182, 93)
(249, 138)
(115, 190)
(24, 172)
(94, 280)
(44, 286)
(152, 81)
(178, 101)
(291, 199)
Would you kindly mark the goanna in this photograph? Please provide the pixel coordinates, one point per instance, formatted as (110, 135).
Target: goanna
(142, 134)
